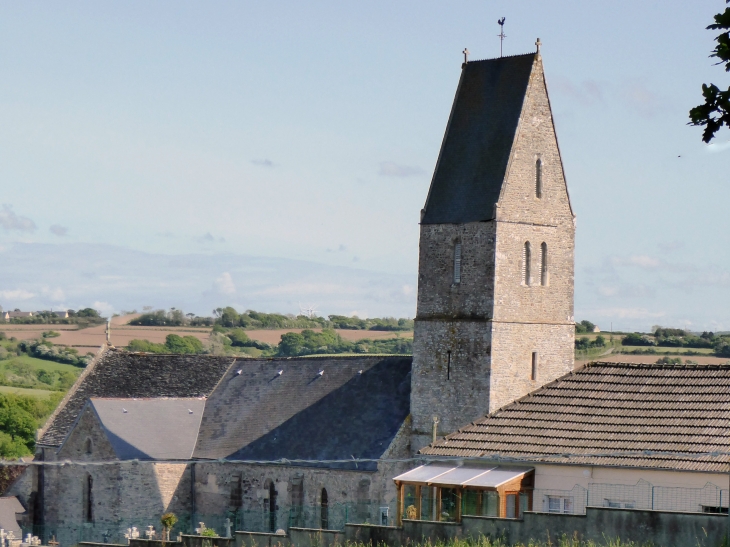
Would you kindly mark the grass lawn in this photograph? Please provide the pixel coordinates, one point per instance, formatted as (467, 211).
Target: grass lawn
(25, 391)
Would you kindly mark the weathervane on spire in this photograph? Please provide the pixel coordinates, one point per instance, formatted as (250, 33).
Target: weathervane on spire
(501, 34)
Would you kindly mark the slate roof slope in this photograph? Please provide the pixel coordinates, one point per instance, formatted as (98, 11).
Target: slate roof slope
(353, 409)
(151, 429)
(122, 374)
(604, 409)
(476, 148)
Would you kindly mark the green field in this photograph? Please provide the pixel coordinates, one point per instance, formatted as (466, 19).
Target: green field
(48, 366)
(40, 393)
(662, 350)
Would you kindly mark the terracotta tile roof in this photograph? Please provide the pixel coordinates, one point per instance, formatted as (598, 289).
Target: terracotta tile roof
(611, 414)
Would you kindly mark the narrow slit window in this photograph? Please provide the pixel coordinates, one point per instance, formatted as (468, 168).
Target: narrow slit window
(448, 365)
(533, 374)
(543, 264)
(526, 257)
(89, 499)
(538, 178)
(457, 263)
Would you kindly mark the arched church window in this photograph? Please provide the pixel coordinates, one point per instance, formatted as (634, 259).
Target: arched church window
(538, 178)
(88, 446)
(526, 257)
(543, 264)
(457, 263)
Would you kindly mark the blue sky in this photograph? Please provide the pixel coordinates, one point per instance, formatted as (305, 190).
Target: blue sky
(309, 131)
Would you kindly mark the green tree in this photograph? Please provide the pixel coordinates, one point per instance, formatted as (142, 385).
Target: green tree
(715, 111)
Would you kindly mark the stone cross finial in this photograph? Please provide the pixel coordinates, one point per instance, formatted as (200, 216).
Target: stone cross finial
(538, 44)
(466, 55)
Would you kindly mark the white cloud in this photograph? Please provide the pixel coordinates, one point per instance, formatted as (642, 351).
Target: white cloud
(391, 169)
(641, 261)
(224, 284)
(57, 294)
(16, 294)
(10, 221)
(58, 230)
(104, 308)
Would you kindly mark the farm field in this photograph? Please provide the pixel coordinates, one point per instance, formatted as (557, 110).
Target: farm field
(92, 338)
(650, 359)
(43, 364)
(662, 349)
(274, 336)
(40, 393)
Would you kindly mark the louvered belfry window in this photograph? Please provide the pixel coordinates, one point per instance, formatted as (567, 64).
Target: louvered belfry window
(457, 263)
(526, 256)
(543, 264)
(538, 178)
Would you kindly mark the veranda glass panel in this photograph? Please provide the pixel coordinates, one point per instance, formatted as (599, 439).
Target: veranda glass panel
(448, 504)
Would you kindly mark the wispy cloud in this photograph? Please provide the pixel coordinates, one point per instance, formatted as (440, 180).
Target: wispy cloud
(587, 92)
(340, 249)
(644, 262)
(391, 169)
(263, 163)
(718, 147)
(16, 294)
(58, 230)
(10, 221)
(627, 313)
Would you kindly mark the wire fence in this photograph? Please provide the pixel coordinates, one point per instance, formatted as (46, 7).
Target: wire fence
(334, 516)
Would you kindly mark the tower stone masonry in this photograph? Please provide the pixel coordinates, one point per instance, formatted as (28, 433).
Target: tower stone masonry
(496, 258)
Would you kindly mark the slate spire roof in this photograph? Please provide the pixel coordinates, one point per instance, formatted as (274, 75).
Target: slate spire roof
(611, 414)
(476, 148)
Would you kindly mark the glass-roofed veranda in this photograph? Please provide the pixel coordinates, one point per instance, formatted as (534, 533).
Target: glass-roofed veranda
(446, 492)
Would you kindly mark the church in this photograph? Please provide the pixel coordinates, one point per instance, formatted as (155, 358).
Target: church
(270, 444)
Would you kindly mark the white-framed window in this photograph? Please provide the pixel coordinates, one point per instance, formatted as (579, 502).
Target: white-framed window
(558, 504)
(457, 263)
(526, 259)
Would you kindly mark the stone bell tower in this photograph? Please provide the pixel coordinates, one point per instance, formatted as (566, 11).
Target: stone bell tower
(495, 285)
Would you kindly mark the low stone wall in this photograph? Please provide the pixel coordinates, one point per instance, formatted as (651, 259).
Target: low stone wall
(139, 542)
(203, 541)
(666, 529)
(261, 539)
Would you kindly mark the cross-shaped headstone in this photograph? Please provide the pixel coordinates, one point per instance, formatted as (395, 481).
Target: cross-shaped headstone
(53, 542)
(200, 530)
(135, 532)
(150, 532)
(3, 535)
(228, 524)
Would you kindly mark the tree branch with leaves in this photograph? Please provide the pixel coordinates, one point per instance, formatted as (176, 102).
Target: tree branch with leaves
(715, 112)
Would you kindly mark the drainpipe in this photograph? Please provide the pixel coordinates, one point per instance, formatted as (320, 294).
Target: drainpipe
(192, 497)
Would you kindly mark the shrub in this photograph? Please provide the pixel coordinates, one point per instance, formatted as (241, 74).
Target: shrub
(636, 339)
